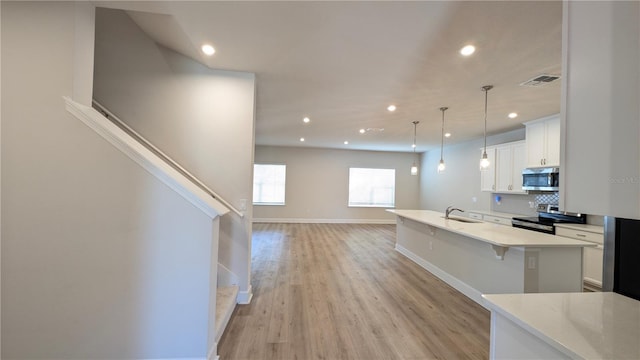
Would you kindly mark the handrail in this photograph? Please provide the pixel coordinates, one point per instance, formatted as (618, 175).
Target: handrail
(109, 115)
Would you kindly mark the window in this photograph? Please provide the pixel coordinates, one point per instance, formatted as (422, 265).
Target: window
(268, 184)
(372, 187)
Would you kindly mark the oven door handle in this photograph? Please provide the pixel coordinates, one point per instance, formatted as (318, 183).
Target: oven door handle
(531, 225)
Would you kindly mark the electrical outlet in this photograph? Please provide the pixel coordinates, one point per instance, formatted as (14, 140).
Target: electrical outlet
(532, 263)
(243, 204)
(430, 245)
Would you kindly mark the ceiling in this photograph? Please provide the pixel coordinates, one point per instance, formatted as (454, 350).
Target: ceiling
(342, 63)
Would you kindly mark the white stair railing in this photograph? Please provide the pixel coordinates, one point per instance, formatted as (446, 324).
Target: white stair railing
(109, 115)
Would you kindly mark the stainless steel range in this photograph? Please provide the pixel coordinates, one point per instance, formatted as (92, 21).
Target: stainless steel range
(547, 216)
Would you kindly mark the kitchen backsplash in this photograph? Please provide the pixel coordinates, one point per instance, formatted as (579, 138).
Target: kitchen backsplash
(521, 204)
(547, 198)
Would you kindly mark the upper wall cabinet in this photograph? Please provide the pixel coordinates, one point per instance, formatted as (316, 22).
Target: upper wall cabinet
(504, 175)
(601, 117)
(510, 161)
(543, 142)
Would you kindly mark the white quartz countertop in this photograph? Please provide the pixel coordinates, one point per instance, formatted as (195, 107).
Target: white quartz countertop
(581, 325)
(494, 234)
(582, 227)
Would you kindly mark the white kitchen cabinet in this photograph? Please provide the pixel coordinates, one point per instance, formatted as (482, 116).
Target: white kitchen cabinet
(543, 142)
(497, 220)
(510, 161)
(601, 116)
(592, 257)
(475, 215)
(488, 176)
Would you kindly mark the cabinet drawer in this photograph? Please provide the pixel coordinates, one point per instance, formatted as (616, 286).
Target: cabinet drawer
(580, 235)
(475, 216)
(497, 220)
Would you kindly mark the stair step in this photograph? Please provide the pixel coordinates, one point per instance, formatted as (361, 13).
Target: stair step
(226, 300)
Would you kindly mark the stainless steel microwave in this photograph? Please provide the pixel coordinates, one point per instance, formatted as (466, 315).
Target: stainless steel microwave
(541, 179)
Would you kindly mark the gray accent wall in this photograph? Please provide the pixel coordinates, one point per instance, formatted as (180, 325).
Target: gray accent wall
(459, 184)
(202, 118)
(317, 188)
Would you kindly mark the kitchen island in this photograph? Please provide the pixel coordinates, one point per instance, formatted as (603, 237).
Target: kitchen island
(482, 258)
(594, 325)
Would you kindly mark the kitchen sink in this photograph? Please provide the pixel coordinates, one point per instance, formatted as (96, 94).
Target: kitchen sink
(462, 220)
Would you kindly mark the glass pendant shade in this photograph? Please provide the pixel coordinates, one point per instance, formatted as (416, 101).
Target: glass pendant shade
(484, 162)
(414, 169)
(441, 166)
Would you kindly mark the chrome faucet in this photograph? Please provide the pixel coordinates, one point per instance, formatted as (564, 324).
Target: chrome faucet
(449, 210)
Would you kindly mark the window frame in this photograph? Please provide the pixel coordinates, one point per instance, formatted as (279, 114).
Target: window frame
(391, 205)
(284, 185)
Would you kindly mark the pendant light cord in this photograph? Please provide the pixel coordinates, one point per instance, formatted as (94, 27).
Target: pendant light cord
(486, 89)
(443, 109)
(415, 126)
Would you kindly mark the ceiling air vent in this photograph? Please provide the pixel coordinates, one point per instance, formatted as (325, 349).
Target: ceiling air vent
(540, 80)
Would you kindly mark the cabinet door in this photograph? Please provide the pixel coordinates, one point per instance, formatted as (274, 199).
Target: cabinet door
(552, 156)
(519, 159)
(535, 135)
(488, 176)
(504, 174)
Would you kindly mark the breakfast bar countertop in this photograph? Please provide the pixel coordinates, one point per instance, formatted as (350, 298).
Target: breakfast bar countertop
(494, 234)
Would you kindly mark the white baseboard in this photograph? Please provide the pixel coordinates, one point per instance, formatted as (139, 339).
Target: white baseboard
(181, 358)
(212, 353)
(244, 297)
(462, 287)
(324, 221)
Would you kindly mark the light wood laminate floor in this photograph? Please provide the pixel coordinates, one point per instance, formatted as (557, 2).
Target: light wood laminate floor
(341, 291)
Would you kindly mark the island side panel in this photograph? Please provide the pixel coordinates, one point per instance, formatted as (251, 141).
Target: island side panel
(511, 341)
(467, 264)
(560, 270)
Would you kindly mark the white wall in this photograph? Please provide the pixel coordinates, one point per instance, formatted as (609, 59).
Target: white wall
(317, 186)
(202, 118)
(99, 258)
(459, 184)
(601, 117)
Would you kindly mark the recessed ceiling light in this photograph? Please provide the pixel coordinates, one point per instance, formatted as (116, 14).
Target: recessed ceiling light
(362, 131)
(468, 50)
(346, 142)
(208, 49)
(391, 108)
(447, 135)
(301, 139)
(513, 115)
(306, 120)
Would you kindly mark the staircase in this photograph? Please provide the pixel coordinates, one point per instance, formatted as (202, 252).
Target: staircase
(225, 304)
(176, 177)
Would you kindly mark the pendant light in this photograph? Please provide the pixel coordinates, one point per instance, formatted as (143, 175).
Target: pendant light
(484, 162)
(441, 165)
(414, 167)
